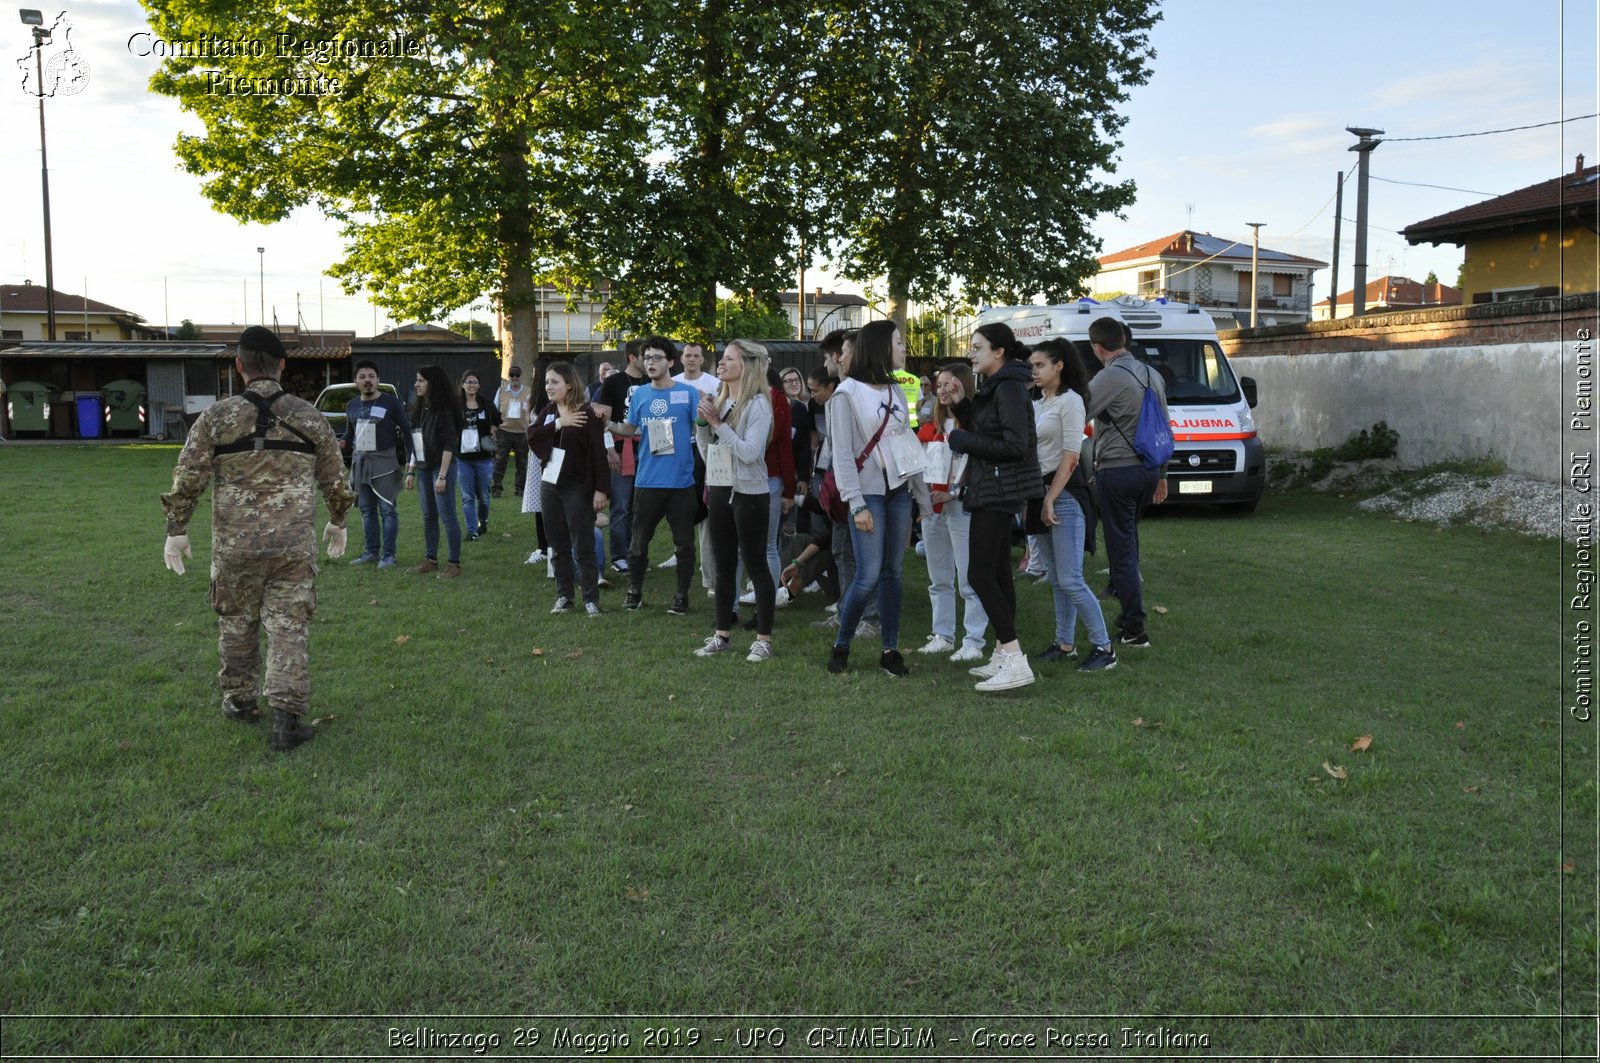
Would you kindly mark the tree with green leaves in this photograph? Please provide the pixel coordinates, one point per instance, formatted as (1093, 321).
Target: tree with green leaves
(472, 329)
(187, 330)
(752, 318)
(462, 160)
(978, 145)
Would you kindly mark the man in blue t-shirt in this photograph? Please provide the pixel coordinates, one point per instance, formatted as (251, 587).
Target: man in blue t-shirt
(662, 416)
(377, 438)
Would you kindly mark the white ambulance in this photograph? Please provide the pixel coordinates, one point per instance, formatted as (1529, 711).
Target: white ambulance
(1218, 457)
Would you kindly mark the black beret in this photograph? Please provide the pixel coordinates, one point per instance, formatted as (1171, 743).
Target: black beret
(259, 338)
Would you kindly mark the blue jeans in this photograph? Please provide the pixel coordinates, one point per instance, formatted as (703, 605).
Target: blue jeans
(437, 507)
(378, 512)
(621, 524)
(1062, 551)
(475, 477)
(878, 554)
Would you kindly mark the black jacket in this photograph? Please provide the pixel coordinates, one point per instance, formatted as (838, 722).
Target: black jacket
(997, 433)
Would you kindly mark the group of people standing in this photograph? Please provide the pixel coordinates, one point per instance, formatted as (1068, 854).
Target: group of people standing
(985, 459)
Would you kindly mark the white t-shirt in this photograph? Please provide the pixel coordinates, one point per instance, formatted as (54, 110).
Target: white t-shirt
(706, 382)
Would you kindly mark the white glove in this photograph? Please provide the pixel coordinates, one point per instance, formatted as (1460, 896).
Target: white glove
(335, 539)
(177, 549)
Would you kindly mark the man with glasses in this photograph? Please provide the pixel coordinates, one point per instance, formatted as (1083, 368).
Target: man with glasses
(661, 419)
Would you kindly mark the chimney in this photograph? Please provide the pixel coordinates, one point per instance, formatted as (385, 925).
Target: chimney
(1579, 170)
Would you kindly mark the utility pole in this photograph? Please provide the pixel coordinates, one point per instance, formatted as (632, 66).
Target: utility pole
(262, 285)
(41, 36)
(1338, 228)
(1255, 261)
(1363, 149)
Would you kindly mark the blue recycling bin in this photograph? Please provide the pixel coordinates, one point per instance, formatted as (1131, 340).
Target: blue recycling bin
(89, 417)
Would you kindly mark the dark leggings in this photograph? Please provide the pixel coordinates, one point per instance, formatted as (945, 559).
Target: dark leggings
(738, 528)
(989, 569)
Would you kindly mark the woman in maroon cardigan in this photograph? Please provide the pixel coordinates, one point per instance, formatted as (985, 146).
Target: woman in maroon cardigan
(569, 440)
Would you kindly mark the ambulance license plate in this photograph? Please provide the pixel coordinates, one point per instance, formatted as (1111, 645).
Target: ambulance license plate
(1194, 487)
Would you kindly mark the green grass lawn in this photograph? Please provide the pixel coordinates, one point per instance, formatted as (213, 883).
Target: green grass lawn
(513, 814)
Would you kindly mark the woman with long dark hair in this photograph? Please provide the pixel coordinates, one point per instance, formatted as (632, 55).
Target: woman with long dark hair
(477, 454)
(1063, 386)
(877, 466)
(997, 435)
(568, 438)
(436, 413)
(946, 530)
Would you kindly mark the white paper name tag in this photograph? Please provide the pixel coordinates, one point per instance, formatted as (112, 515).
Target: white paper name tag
(937, 457)
(552, 468)
(416, 444)
(661, 439)
(366, 435)
(469, 440)
(906, 454)
(513, 410)
(719, 465)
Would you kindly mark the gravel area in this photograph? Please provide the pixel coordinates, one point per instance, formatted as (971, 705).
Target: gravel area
(1508, 503)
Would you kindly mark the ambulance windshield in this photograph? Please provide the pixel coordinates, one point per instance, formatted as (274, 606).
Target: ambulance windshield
(1195, 371)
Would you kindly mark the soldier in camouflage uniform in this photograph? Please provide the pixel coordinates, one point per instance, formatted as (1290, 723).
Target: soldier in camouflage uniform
(269, 452)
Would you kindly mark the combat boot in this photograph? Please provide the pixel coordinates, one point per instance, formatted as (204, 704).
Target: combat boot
(243, 711)
(289, 730)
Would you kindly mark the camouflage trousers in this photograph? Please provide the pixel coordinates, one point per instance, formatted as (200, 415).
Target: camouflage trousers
(272, 594)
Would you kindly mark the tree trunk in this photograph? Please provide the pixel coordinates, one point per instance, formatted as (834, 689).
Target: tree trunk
(518, 293)
(899, 286)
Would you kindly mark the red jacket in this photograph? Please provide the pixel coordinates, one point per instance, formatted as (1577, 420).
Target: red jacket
(780, 449)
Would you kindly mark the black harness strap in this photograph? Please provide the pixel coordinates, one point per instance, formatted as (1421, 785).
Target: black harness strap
(266, 420)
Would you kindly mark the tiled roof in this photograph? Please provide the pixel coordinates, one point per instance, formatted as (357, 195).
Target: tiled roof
(1572, 195)
(1402, 291)
(42, 349)
(30, 299)
(1187, 244)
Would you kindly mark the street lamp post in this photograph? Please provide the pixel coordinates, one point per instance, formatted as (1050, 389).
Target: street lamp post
(41, 36)
(1363, 149)
(261, 284)
(1255, 260)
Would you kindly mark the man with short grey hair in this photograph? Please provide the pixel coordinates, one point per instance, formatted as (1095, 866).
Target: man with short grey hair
(1116, 397)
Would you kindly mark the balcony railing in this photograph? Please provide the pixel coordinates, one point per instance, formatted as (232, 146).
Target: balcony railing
(1225, 302)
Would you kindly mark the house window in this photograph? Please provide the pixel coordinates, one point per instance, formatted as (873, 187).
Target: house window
(1282, 284)
(1507, 295)
(1149, 281)
(78, 337)
(11, 334)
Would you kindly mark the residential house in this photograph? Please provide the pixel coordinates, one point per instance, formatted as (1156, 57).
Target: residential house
(24, 314)
(824, 312)
(1214, 273)
(1390, 293)
(1536, 241)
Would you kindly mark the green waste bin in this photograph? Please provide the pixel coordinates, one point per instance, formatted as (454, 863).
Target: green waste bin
(28, 405)
(124, 406)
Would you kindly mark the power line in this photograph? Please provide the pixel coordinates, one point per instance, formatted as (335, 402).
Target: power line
(1419, 184)
(1492, 132)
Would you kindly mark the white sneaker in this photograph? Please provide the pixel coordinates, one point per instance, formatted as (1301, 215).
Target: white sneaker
(535, 558)
(670, 562)
(987, 671)
(760, 650)
(833, 607)
(1014, 672)
(747, 598)
(811, 588)
(782, 598)
(594, 610)
(711, 592)
(937, 644)
(967, 653)
(714, 645)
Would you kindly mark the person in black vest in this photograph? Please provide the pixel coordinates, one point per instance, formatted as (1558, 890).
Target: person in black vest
(996, 432)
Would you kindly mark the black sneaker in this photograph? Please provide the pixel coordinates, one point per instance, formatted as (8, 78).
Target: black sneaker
(839, 660)
(1100, 659)
(1141, 640)
(633, 599)
(679, 606)
(1052, 654)
(892, 663)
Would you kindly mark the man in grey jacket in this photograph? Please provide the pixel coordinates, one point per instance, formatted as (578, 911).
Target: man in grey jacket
(1116, 395)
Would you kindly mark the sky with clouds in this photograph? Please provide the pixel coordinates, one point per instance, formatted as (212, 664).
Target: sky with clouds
(1243, 120)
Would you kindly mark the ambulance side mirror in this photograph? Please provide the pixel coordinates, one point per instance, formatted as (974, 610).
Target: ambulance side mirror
(1248, 384)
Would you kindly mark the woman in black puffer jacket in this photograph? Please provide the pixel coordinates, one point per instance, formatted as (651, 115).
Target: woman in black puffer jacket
(997, 434)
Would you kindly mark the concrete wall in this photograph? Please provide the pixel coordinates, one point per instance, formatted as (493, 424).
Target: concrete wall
(1456, 383)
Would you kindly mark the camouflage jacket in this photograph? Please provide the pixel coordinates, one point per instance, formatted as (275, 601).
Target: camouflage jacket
(265, 503)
